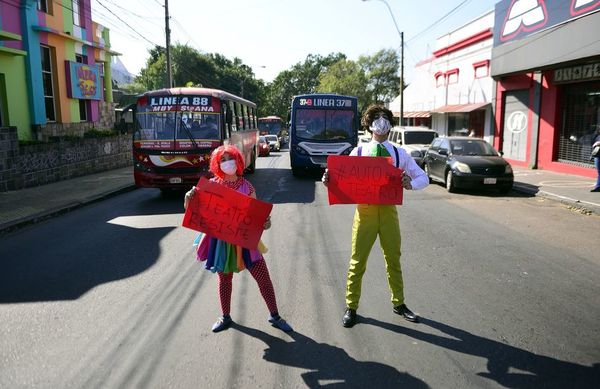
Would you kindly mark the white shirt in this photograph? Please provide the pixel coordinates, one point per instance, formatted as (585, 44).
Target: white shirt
(406, 163)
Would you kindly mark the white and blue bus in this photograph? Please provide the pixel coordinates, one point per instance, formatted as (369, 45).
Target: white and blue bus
(321, 125)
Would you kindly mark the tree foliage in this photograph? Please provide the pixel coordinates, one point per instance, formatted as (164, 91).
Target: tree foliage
(371, 78)
(190, 67)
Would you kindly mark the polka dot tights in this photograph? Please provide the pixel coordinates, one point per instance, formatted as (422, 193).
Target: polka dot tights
(260, 273)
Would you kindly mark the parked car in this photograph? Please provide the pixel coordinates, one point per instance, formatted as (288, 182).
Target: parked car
(274, 144)
(415, 140)
(470, 163)
(263, 147)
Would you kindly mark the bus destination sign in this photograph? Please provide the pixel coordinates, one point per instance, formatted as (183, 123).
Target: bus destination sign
(326, 102)
(184, 104)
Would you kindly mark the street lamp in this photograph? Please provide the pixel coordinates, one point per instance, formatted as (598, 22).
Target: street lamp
(401, 60)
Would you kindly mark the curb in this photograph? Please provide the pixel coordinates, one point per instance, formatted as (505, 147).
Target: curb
(15, 225)
(575, 205)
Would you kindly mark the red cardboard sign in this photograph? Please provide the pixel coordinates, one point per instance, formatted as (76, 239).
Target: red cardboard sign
(226, 214)
(363, 180)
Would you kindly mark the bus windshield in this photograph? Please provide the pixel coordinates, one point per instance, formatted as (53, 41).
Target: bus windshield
(177, 126)
(322, 124)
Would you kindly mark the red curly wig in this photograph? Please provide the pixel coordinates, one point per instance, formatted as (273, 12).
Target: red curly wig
(215, 160)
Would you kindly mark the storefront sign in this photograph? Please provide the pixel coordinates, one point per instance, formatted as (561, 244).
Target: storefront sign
(516, 19)
(577, 73)
(83, 81)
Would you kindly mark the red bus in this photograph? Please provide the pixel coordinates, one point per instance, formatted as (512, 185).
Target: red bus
(270, 125)
(176, 130)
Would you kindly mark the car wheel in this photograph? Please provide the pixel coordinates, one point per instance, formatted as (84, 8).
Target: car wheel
(426, 168)
(450, 182)
(296, 171)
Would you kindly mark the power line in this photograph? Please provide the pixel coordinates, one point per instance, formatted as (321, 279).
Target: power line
(447, 15)
(124, 22)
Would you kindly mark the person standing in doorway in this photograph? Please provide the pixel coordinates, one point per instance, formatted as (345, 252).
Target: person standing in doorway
(596, 143)
(371, 221)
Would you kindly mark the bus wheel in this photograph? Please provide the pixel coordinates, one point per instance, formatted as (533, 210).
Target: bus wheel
(252, 167)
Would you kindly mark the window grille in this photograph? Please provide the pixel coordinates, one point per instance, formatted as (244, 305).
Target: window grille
(581, 116)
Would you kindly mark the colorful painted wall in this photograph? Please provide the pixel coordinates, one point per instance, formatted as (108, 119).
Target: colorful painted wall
(14, 105)
(23, 30)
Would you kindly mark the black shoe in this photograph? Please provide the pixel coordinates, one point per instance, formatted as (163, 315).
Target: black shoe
(595, 189)
(349, 318)
(406, 313)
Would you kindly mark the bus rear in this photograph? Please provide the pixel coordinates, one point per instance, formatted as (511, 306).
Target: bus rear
(321, 125)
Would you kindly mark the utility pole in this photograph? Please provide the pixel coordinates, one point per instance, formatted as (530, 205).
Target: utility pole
(401, 77)
(401, 60)
(168, 35)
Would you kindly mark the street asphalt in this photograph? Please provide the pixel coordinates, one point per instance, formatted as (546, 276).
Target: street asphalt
(27, 206)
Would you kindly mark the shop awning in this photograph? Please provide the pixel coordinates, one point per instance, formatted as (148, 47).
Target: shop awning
(460, 108)
(414, 114)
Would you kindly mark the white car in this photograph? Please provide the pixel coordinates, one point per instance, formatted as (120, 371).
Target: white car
(274, 144)
(415, 140)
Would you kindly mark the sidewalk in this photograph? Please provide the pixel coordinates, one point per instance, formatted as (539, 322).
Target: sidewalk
(27, 206)
(22, 207)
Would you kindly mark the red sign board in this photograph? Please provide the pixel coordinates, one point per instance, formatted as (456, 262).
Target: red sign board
(363, 180)
(226, 214)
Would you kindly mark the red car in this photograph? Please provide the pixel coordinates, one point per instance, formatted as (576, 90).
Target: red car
(263, 147)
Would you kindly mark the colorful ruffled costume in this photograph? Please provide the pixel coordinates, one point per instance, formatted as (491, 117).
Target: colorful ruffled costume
(225, 257)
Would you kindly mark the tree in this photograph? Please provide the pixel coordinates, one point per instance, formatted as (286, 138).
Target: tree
(345, 77)
(381, 70)
(303, 77)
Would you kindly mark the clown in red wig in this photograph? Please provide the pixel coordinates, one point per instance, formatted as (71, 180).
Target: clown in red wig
(227, 164)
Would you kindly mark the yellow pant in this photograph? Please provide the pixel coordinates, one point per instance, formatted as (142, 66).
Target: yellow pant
(370, 221)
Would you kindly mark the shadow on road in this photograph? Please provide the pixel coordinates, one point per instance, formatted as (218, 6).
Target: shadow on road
(537, 371)
(66, 257)
(329, 366)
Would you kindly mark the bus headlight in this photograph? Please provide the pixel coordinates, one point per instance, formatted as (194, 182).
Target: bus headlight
(300, 150)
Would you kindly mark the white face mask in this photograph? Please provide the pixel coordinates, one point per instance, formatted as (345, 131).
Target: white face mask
(381, 126)
(229, 167)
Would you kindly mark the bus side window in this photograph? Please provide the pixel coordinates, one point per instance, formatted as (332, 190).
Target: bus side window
(232, 114)
(239, 116)
(253, 118)
(226, 118)
(244, 117)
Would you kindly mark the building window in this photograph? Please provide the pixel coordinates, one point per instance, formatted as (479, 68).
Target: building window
(440, 79)
(580, 119)
(458, 124)
(82, 103)
(2, 103)
(48, 81)
(101, 72)
(42, 5)
(77, 12)
(452, 76)
(482, 69)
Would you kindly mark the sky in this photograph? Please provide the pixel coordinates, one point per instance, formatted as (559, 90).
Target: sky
(273, 35)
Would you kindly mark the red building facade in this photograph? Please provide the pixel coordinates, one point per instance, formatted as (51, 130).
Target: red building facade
(546, 63)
